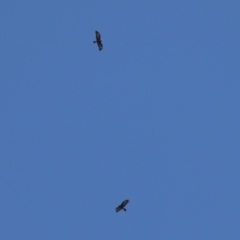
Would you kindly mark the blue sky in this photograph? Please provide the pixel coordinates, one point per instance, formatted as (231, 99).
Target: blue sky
(154, 118)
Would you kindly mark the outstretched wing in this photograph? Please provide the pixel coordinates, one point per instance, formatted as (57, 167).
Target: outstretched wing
(124, 203)
(100, 46)
(118, 208)
(98, 36)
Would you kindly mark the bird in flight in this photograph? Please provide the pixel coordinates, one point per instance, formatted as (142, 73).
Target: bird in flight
(98, 41)
(122, 206)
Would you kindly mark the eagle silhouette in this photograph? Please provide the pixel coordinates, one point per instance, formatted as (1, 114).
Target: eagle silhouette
(98, 41)
(122, 206)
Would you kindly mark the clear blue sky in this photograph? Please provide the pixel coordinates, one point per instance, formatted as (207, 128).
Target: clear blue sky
(154, 117)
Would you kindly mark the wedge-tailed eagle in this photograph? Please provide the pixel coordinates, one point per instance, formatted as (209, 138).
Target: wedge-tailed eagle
(122, 206)
(98, 41)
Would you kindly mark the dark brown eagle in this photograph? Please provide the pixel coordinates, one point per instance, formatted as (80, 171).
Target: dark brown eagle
(98, 41)
(122, 206)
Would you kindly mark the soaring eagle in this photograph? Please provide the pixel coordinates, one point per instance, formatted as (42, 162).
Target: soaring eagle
(98, 41)
(122, 206)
